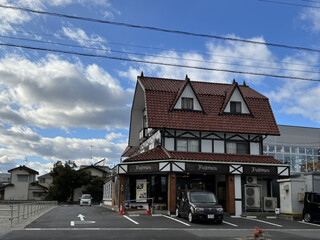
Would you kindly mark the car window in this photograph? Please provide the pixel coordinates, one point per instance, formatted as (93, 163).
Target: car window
(202, 198)
(316, 198)
(86, 197)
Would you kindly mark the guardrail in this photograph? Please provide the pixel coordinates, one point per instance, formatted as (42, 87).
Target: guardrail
(12, 213)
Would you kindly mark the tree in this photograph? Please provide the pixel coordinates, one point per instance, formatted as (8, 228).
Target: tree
(65, 179)
(95, 188)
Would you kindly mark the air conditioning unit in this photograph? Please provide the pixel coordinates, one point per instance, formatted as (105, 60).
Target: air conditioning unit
(269, 204)
(253, 197)
(252, 180)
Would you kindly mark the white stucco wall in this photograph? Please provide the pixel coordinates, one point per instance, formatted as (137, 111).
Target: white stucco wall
(188, 93)
(254, 148)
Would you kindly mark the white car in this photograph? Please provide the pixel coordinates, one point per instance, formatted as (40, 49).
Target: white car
(85, 199)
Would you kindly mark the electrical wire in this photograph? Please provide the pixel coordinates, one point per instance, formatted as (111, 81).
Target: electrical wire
(290, 4)
(163, 49)
(159, 29)
(158, 63)
(151, 55)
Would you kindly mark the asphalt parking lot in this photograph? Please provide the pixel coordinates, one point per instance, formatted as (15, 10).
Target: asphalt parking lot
(95, 222)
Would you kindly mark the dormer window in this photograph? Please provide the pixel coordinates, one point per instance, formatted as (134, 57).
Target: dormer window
(187, 103)
(235, 107)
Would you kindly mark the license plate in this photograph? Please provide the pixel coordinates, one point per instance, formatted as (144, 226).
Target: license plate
(210, 216)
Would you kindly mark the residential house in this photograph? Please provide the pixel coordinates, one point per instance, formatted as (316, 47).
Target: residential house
(45, 180)
(199, 135)
(23, 185)
(94, 170)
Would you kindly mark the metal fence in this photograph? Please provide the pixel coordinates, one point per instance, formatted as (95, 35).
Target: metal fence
(13, 213)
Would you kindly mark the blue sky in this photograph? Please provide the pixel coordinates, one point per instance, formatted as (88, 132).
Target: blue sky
(56, 106)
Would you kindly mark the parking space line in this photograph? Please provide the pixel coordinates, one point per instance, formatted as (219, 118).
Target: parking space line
(130, 219)
(273, 224)
(234, 225)
(174, 219)
(312, 224)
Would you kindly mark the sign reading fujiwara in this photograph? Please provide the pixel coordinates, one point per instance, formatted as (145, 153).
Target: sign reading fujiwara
(144, 168)
(260, 170)
(207, 168)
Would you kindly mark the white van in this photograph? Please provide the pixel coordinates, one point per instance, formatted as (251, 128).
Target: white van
(85, 200)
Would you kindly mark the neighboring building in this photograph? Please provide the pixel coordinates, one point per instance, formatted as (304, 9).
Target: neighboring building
(94, 170)
(299, 147)
(4, 178)
(198, 135)
(45, 180)
(23, 185)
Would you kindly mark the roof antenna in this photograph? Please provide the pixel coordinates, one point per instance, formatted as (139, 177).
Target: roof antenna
(141, 74)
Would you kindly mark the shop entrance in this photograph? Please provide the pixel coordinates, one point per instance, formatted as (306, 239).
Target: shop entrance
(196, 182)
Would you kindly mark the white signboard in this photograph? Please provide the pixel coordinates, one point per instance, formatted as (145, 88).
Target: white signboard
(141, 190)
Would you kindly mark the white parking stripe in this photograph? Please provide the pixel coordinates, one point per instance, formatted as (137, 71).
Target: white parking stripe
(234, 225)
(130, 219)
(312, 224)
(174, 219)
(273, 224)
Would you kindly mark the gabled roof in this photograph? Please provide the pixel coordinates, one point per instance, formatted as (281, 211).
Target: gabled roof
(161, 153)
(24, 168)
(103, 169)
(39, 185)
(228, 94)
(47, 175)
(183, 87)
(161, 93)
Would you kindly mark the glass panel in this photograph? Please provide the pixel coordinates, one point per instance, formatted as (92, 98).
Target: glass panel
(264, 150)
(235, 107)
(271, 148)
(22, 178)
(242, 148)
(280, 157)
(287, 159)
(286, 149)
(280, 149)
(182, 145)
(187, 103)
(302, 150)
(193, 145)
(231, 148)
(294, 149)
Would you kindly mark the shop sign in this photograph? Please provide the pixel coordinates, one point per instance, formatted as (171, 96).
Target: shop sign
(141, 190)
(206, 168)
(144, 168)
(260, 170)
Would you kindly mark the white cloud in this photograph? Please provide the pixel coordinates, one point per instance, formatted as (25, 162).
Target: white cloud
(312, 17)
(55, 93)
(80, 36)
(20, 142)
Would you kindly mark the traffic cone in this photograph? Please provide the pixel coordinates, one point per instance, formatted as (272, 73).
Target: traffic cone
(148, 209)
(121, 209)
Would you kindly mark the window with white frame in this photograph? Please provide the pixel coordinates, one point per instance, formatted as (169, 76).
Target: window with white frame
(188, 145)
(237, 148)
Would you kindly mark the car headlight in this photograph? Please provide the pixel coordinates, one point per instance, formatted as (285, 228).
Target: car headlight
(199, 209)
(219, 209)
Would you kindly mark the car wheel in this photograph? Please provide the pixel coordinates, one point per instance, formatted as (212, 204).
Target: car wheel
(190, 217)
(177, 212)
(307, 217)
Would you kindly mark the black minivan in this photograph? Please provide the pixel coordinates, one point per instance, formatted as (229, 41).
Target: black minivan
(311, 208)
(197, 204)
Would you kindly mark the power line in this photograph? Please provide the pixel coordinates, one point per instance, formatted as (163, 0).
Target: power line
(290, 4)
(159, 29)
(158, 63)
(165, 49)
(151, 55)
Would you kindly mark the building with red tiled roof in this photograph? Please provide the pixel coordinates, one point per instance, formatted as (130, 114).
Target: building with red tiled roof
(199, 135)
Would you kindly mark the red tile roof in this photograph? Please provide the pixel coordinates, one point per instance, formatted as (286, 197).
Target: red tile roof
(161, 93)
(161, 153)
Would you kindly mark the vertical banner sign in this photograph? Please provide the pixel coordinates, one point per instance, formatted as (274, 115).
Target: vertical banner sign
(141, 190)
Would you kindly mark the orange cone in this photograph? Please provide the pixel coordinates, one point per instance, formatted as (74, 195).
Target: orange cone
(148, 209)
(121, 209)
